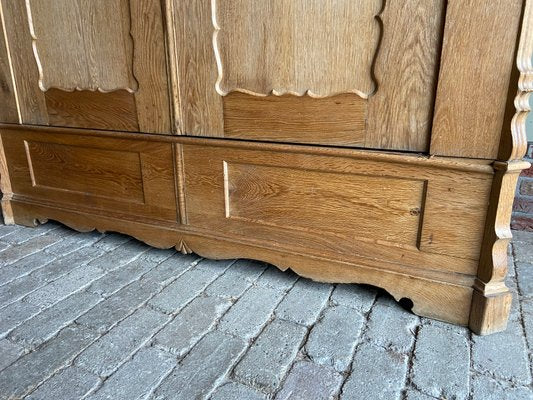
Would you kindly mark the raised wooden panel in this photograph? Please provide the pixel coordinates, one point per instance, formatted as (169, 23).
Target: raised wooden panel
(93, 172)
(400, 113)
(8, 109)
(129, 178)
(318, 48)
(82, 45)
(410, 210)
(343, 204)
(478, 58)
(339, 119)
(385, 53)
(115, 110)
(92, 51)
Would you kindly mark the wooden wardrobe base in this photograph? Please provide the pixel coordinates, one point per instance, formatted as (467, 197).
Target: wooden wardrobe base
(410, 224)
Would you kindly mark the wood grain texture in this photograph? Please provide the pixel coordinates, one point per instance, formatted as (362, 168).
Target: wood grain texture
(30, 99)
(401, 111)
(8, 101)
(401, 65)
(432, 298)
(87, 109)
(338, 120)
(269, 47)
(446, 237)
(80, 45)
(197, 105)
(131, 177)
(514, 146)
(492, 301)
(149, 66)
(477, 62)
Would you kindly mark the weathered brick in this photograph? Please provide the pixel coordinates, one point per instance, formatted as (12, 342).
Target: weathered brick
(15, 314)
(23, 235)
(65, 264)
(33, 368)
(304, 302)
(526, 187)
(73, 242)
(503, 355)
(251, 312)
(171, 269)
(489, 389)
(523, 204)
(110, 241)
(359, 297)
(8, 229)
(64, 286)
(413, 394)
(70, 383)
(117, 307)
(176, 295)
(522, 254)
(268, 360)
(277, 279)
(111, 350)
(377, 373)
(333, 339)
(138, 377)
(201, 370)
(25, 266)
(390, 326)
(236, 391)
(14, 253)
(17, 289)
(191, 324)
(441, 363)
(310, 381)
(9, 352)
(228, 285)
(126, 274)
(247, 269)
(525, 278)
(521, 238)
(120, 256)
(527, 315)
(48, 323)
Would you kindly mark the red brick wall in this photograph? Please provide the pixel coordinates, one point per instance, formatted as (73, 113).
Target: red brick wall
(523, 205)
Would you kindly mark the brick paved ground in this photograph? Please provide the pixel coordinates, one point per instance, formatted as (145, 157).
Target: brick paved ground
(106, 317)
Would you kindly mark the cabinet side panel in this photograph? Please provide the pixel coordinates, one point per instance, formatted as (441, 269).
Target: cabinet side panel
(477, 63)
(31, 101)
(8, 111)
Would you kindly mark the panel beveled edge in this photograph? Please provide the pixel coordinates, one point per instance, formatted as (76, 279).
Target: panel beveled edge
(132, 85)
(280, 91)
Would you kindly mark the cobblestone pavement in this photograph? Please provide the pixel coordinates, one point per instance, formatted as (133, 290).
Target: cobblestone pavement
(102, 316)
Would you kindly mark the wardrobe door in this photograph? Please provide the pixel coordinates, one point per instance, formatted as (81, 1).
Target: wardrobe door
(90, 64)
(337, 72)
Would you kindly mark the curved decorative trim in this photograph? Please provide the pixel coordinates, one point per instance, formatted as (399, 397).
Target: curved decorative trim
(132, 85)
(311, 92)
(524, 99)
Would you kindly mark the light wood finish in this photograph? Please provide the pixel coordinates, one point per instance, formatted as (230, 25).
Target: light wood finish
(79, 46)
(276, 105)
(8, 102)
(31, 103)
(401, 111)
(328, 52)
(132, 177)
(338, 119)
(477, 61)
(395, 74)
(81, 109)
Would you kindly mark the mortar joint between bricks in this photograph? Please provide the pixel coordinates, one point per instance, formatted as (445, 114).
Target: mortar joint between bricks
(366, 317)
